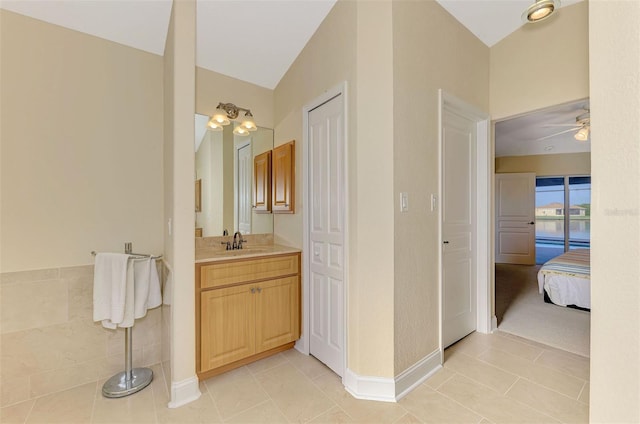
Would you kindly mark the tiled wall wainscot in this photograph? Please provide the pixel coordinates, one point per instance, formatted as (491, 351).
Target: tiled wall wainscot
(48, 340)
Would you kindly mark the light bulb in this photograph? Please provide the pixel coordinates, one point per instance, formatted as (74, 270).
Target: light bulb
(220, 116)
(248, 124)
(214, 126)
(582, 135)
(240, 130)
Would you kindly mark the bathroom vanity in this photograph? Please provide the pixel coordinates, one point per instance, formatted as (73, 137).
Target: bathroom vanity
(247, 305)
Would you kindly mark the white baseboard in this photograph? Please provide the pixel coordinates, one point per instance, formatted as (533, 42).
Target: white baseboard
(183, 392)
(416, 374)
(392, 389)
(369, 388)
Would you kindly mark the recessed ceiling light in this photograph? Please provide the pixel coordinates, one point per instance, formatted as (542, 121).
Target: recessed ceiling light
(540, 10)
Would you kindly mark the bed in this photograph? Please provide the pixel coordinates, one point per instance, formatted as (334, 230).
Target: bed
(566, 280)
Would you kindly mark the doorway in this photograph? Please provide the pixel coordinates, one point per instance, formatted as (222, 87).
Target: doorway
(325, 229)
(464, 216)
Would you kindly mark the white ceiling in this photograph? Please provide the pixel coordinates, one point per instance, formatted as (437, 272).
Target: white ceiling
(257, 40)
(519, 136)
(491, 20)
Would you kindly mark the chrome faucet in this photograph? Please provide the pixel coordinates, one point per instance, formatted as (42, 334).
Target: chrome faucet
(237, 244)
(237, 240)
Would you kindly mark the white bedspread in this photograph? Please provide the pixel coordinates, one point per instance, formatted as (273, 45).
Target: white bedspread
(567, 279)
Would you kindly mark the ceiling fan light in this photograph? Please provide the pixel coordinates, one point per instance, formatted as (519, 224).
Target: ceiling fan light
(539, 11)
(583, 134)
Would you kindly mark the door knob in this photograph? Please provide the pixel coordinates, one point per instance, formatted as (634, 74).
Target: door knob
(446, 242)
(532, 223)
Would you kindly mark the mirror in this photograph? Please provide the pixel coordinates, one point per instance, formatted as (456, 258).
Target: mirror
(224, 166)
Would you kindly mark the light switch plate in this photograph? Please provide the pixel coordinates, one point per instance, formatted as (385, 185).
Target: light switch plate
(434, 202)
(404, 202)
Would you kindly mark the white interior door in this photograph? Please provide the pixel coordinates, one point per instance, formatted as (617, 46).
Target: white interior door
(326, 203)
(244, 196)
(459, 285)
(515, 218)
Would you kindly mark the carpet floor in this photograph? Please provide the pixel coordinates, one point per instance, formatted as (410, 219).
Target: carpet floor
(521, 310)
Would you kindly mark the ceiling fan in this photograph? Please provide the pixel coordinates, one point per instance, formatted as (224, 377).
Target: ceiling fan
(582, 128)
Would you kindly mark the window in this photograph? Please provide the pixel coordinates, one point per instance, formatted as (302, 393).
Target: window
(557, 232)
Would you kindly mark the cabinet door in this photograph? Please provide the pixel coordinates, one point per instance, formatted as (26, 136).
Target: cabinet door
(262, 182)
(227, 326)
(277, 312)
(283, 165)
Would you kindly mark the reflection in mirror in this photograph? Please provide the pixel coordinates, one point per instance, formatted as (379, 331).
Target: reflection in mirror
(224, 163)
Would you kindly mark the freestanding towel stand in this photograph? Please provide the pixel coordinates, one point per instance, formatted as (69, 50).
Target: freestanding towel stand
(131, 380)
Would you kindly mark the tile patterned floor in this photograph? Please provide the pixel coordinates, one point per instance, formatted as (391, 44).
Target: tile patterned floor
(496, 378)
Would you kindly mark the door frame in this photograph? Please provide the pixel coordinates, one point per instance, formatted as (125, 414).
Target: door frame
(236, 181)
(303, 344)
(485, 320)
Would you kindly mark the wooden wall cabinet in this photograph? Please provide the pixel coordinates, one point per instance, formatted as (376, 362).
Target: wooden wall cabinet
(262, 182)
(283, 178)
(247, 309)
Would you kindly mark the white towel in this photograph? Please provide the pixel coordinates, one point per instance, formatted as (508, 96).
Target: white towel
(147, 286)
(123, 289)
(113, 290)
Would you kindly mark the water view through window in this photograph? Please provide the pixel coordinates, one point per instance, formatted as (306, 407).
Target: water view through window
(563, 215)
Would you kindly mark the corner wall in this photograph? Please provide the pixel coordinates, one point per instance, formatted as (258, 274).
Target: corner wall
(81, 130)
(427, 57)
(179, 88)
(344, 49)
(541, 65)
(614, 37)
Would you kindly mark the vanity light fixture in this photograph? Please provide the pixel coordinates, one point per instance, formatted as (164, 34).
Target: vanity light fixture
(225, 112)
(540, 10)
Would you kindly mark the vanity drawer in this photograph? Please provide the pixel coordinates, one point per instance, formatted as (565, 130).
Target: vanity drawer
(236, 272)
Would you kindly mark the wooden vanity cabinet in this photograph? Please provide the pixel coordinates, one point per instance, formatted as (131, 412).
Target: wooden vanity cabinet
(247, 309)
(283, 178)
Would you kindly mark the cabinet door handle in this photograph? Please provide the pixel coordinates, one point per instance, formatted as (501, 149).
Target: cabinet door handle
(253, 289)
(259, 290)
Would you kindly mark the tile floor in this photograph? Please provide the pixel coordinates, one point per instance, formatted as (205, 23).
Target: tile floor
(496, 378)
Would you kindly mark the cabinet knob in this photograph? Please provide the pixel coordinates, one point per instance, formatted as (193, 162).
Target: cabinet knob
(259, 289)
(253, 289)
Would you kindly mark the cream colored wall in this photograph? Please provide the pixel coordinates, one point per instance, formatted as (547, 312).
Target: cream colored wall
(81, 130)
(353, 39)
(213, 88)
(546, 165)
(374, 241)
(442, 54)
(167, 344)
(180, 199)
(328, 59)
(541, 65)
(615, 235)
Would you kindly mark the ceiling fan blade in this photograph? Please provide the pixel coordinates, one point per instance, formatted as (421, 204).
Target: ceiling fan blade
(556, 134)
